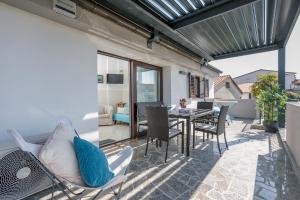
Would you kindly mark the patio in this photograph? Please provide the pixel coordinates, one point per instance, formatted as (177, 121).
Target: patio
(255, 167)
(177, 40)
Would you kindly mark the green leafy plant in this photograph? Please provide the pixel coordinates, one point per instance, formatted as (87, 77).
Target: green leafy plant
(270, 100)
(264, 81)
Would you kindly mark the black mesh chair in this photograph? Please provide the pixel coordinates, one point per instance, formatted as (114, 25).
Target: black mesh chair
(159, 128)
(205, 119)
(141, 113)
(205, 105)
(215, 129)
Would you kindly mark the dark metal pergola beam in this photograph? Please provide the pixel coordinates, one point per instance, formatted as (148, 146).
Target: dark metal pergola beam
(290, 23)
(247, 52)
(281, 82)
(133, 11)
(209, 12)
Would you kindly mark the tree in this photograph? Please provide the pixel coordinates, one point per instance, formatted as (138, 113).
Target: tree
(264, 82)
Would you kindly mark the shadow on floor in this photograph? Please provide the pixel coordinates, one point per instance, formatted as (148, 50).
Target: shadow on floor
(150, 178)
(275, 178)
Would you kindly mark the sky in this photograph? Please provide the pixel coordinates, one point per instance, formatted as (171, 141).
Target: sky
(268, 60)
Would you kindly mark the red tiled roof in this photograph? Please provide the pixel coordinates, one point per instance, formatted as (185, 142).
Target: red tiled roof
(220, 79)
(246, 87)
(296, 81)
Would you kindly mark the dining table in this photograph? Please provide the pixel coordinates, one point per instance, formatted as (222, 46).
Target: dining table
(189, 114)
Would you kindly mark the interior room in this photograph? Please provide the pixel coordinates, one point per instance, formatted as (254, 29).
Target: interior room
(113, 99)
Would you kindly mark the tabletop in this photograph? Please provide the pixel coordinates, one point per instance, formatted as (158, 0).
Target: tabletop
(189, 113)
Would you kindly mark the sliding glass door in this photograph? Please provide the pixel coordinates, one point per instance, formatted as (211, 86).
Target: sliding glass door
(146, 87)
(147, 84)
(113, 99)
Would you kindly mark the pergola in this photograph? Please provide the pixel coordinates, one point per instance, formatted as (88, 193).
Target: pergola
(214, 29)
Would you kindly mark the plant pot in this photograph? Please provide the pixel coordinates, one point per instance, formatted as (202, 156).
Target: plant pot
(271, 126)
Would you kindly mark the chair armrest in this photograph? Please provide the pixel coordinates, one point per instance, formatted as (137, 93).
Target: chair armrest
(178, 123)
(206, 121)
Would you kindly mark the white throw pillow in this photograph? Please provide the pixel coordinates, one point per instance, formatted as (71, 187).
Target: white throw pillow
(58, 154)
(122, 110)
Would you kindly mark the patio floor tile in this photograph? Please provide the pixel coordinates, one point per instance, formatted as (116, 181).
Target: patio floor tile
(255, 167)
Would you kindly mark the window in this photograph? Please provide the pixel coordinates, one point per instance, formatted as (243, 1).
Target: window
(227, 85)
(198, 87)
(206, 88)
(194, 85)
(147, 84)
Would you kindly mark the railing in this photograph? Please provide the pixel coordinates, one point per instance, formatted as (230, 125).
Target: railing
(241, 108)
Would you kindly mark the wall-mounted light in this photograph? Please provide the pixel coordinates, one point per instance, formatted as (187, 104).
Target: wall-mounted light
(203, 63)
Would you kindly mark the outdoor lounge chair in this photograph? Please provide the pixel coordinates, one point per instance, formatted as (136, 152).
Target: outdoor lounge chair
(118, 164)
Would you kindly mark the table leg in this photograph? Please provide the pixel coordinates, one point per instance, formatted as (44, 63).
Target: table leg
(188, 134)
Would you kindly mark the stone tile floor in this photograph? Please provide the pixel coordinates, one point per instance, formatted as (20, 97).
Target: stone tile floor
(255, 167)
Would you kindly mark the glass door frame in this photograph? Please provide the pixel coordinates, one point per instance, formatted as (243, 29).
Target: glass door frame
(133, 64)
(130, 93)
(133, 86)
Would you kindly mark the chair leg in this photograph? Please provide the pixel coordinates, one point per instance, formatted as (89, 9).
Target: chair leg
(147, 146)
(225, 140)
(159, 143)
(96, 196)
(194, 135)
(167, 151)
(218, 144)
(156, 143)
(182, 143)
(117, 195)
(203, 136)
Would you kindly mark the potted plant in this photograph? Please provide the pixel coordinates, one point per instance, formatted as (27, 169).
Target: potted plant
(270, 101)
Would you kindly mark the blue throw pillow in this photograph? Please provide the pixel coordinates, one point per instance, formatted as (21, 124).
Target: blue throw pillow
(93, 165)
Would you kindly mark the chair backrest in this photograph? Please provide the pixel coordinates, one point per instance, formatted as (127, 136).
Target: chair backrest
(222, 119)
(24, 145)
(205, 105)
(158, 123)
(141, 108)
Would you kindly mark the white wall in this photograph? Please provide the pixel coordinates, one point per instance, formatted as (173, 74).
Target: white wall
(46, 70)
(292, 130)
(179, 84)
(244, 108)
(221, 92)
(245, 95)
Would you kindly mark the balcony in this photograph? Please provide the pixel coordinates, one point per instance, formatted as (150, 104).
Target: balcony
(48, 69)
(256, 166)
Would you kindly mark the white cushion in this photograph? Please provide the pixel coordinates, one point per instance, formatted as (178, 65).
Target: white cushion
(123, 110)
(58, 154)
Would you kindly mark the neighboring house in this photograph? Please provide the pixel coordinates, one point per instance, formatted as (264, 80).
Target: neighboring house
(296, 87)
(246, 90)
(226, 88)
(251, 77)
